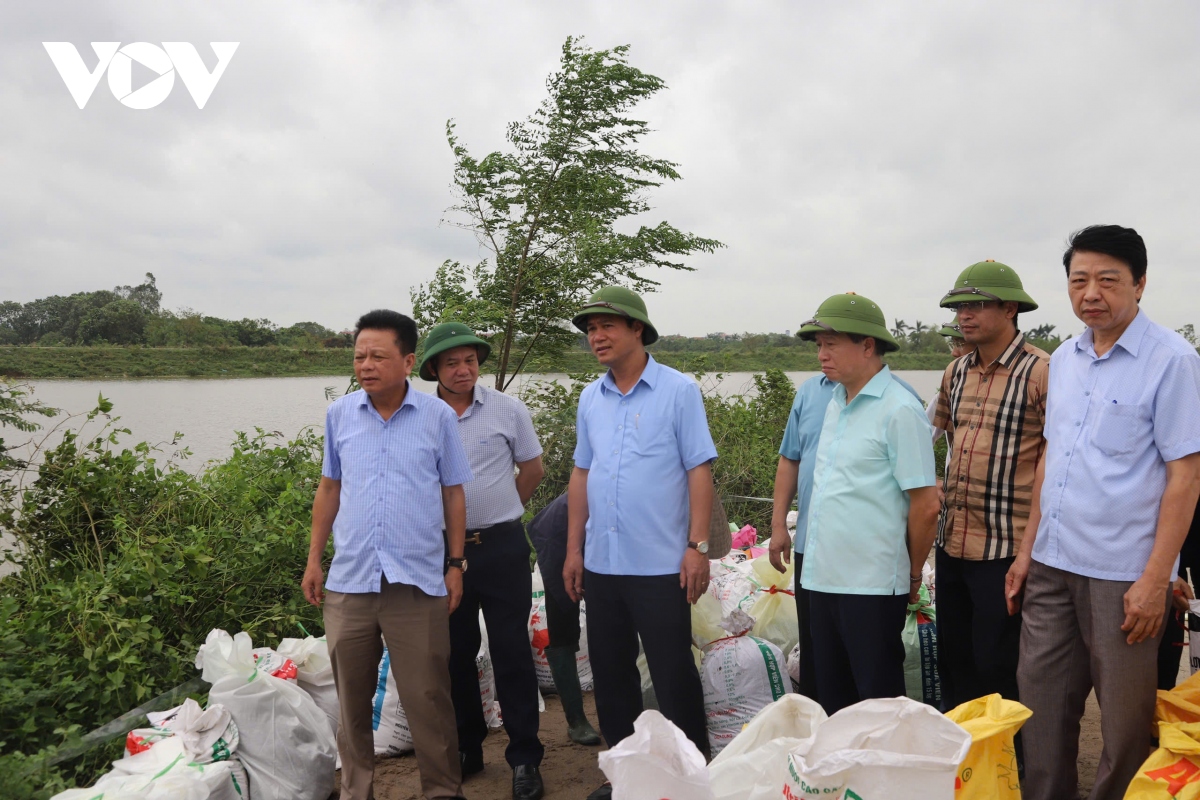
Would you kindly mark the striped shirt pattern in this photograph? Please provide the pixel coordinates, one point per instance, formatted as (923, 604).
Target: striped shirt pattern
(497, 433)
(994, 416)
(390, 517)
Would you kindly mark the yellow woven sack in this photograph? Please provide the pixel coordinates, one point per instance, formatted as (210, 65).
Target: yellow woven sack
(1172, 772)
(1181, 704)
(989, 772)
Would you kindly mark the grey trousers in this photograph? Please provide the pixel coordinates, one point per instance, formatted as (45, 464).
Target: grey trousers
(1072, 642)
(416, 627)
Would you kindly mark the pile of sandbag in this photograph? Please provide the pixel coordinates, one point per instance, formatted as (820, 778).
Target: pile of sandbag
(284, 740)
(740, 673)
(895, 748)
(188, 753)
(756, 587)
(261, 736)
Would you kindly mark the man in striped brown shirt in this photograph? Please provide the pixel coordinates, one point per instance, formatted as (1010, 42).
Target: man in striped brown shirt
(992, 405)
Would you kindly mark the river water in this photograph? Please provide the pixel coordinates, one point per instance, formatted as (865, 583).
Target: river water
(209, 411)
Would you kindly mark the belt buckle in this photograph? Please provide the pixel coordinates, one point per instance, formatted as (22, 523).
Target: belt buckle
(472, 539)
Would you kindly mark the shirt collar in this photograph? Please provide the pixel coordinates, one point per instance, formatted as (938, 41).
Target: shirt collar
(365, 400)
(649, 377)
(873, 387)
(1130, 340)
(1006, 358)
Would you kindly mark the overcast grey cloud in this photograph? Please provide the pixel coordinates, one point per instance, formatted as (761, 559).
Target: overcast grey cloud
(868, 146)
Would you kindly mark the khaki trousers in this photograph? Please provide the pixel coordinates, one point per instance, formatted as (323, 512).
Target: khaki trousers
(1072, 642)
(416, 628)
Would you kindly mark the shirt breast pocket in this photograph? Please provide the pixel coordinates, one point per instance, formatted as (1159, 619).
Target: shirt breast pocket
(652, 436)
(1119, 426)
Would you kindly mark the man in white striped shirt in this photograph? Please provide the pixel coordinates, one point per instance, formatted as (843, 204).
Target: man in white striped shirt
(498, 436)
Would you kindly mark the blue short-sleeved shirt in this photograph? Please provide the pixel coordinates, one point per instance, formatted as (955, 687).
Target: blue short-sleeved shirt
(390, 516)
(1112, 423)
(497, 433)
(871, 453)
(801, 437)
(638, 448)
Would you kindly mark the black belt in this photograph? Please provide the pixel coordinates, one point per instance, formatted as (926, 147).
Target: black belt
(475, 537)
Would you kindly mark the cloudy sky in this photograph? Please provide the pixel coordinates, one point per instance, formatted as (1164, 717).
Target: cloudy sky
(878, 147)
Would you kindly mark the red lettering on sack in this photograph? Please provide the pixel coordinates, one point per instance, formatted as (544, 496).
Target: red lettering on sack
(1176, 776)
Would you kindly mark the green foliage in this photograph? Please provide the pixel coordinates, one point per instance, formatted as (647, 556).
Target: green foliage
(547, 209)
(747, 430)
(132, 315)
(126, 563)
(162, 362)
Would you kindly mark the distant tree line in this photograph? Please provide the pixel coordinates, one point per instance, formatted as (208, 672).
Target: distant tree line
(916, 337)
(133, 315)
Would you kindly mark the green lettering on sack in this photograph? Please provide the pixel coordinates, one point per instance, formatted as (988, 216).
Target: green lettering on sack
(774, 674)
(850, 795)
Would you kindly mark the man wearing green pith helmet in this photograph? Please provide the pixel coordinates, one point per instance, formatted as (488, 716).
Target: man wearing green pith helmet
(992, 405)
(638, 510)
(506, 459)
(873, 512)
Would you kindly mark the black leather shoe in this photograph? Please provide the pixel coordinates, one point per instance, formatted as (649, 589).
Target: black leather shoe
(603, 793)
(527, 783)
(471, 764)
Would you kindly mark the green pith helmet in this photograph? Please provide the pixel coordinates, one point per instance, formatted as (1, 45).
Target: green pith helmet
(622, 302)
(989, 280)
(850, 313)
(448, 336)
(952, 330)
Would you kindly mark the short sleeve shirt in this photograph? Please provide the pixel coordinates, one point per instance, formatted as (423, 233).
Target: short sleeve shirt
(993, 415)
(497, 433)
(390, 516)
(800, 439)
(1112, 423)
(638, 448)
(872, 451)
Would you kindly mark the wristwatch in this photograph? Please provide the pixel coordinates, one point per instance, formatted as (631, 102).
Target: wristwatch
(700, 547)
(461, 563)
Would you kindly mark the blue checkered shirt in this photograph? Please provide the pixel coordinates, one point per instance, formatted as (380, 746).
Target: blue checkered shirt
(390, 516)
(1112, 423)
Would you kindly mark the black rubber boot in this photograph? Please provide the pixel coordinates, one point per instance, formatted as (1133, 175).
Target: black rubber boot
(566, 680)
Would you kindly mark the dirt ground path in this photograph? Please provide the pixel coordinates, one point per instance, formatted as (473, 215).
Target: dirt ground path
(570, 771)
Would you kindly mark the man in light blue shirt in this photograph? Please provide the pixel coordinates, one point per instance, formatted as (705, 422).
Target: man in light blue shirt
(390, 484)
(794, 480)
(873, 512)
(1113, 499)
(642, 465)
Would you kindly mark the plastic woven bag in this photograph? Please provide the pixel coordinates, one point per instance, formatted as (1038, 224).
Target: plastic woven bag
(754, 763)
(773, 604)
(1172, 772)
(741, 675)
(989, 772)
(893, 748)
(389, 724)
(284, 740)
(921, 681)
(314, 673)
(656, 762)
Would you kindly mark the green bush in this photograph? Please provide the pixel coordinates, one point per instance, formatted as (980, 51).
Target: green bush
(126, 564)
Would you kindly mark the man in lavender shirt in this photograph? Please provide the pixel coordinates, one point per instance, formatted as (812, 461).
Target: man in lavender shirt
(1112, 500)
